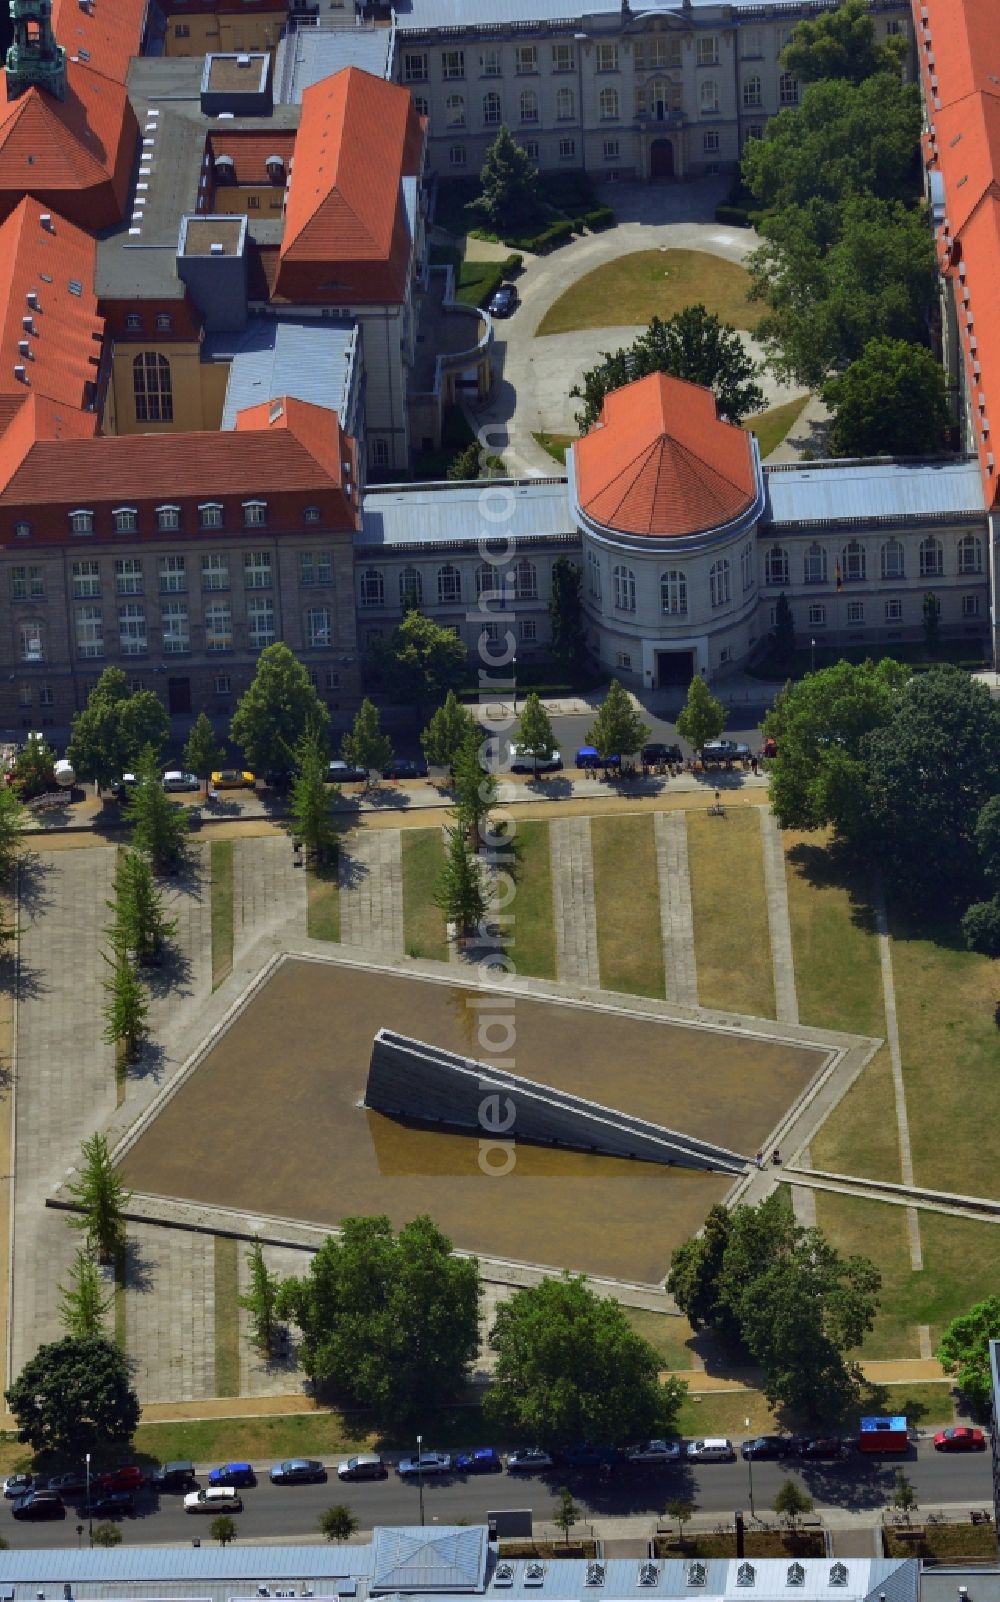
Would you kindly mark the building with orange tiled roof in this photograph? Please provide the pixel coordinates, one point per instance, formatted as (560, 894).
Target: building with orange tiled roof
(51, 332)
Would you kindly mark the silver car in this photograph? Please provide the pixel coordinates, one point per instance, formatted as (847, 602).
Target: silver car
(655, 1452)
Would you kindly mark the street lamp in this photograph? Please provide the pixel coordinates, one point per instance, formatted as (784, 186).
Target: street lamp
(812, 655)
(753, 1510)
(90, 1515)
(513, 669)
(420, 1475)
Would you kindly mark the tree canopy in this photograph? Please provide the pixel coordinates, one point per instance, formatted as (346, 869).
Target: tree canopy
(392, 1321)
(570, 1368)
(891, 401)
(693, 344)
(275, 711)
(309, 803)
(842, 44)
(702, 717)
(509, 179)
(964, 1351)
(449, 727)
(618, 729)
(203, 751)
(159, 824)
(73, 1396)
(366, 746)
(419, 663)
(534, 728)
(114, 727)
(101, 1196)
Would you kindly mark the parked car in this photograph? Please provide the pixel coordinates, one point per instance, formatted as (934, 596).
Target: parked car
(233, 779)
(715, 1449)
(295, 1470)
(725, 751)
(960, 1438)
(279, 779)
(345, 773)
(406, 768)
(73, 1483)
(655, 752)
(177, 781)
(39, 1505)
(522, 761)
(587, 757)
(232, 1474)
(481, 1460)
(176, 1476)
(122, 788)
(365, 1466)
(764, 1446)
(427, 1463)
(128, 1478)
(503, 301)
(655, 1452)
(110, 1505)
(18, 1485)
(214, 1499)
(528, 1460)
(826, 1446)
(589, 1457)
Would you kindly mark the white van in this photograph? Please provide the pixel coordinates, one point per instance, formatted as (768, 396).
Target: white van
(717, 1449)
(214, 1499)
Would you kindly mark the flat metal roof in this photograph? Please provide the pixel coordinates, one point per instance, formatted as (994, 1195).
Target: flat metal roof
(465, 513)
(309, 55)
(427, 15)
(838, 492)
(311, 360)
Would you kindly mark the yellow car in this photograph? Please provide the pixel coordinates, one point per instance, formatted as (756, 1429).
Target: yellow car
(233, 779)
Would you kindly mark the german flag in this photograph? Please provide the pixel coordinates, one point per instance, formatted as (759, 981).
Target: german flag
(840, 577)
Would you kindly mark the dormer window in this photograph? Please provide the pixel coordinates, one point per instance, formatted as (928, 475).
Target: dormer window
(697, 1574)
(745, 1574)
(838, 1574)
(168, 518)
(133, 323)
(22, 531)
(164, 322)
(210, 514)
(796, 1574)
(255, 513)
(312, 514)
(81, 522)
(126, 519)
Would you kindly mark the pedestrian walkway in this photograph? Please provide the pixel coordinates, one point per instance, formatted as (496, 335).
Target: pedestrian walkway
(268, 891)
(262, 1376)
(573, 902)
(370, 873)
(170, 1312)
(892, 1035)
(675, 908)
(779, 925)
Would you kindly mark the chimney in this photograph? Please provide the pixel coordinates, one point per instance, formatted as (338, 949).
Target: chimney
(217, 249)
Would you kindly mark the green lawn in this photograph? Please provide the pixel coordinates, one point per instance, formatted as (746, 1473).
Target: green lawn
(556, 444)
(668, 1334)
(533, 934)
(423, 921)
(771, 426)
(221, 865)
(732, 942)
(227, 1326)
(629, 935)
(323, 904)
(653, 283)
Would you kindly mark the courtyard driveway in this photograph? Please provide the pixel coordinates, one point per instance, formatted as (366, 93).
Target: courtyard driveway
(534, 376)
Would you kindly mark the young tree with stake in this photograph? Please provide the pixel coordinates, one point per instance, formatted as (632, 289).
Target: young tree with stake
(534, 730)
(101, 1197)
(84, 1302)
(204, 752)
(261, 1298)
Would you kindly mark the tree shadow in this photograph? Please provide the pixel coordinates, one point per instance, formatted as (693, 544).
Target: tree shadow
(149, 1062)
(345, 869)
(380, 799)
(136, 1268)
(217, 806)
(550, 786)
(172, 972)
(834, 867)
(32, 894)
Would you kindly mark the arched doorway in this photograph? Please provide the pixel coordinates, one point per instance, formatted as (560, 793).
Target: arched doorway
(661, 159)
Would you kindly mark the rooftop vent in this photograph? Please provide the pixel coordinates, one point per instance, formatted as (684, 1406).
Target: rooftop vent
(32, 298)
(20, 372)
(24, 347)
(838, 1574)
(216, 248)
(504, 1575)
(648, 1574)
(697, 1574)
(534, 1573)
(28, 324)
(243, 61)
(45, 221)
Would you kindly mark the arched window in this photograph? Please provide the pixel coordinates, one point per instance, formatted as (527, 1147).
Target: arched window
(776, 566)
(449, 584)
(709, 95)
(529, 105)
(609, 105)
(565, 105)
(154, 401)
(372, 587)
(814, 564)
(411, 588)
(526, 581)
(454, 111)
(492, 110)
(490, 582)
(855, 567)
(931, 558)
(893, 564)
(624, 589)
(970, 554)
(674, 592)
(718, 582)
(752, 91)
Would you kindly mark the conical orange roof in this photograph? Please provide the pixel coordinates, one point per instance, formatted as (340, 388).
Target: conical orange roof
(74, 155)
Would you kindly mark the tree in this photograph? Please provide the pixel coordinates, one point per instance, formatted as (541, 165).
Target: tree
(932, 622)
(683, 1512)
(222, 1529)
(366, 746)
(792, 1503)
(126, 1009)
(891, 401)
(459, 890)
(695, 1268)
(106, 1534)
(964, 1351)
(509, 193)
(988, 839)
(475, 788)
(981, 926)
(570, 1368)
(33, 767)
(618, 730)
(338, 1523)
(818, 776)
(694, 345)
(904, 1497)
(101, 1197)
(261, 1298)
(84, 1303)
(391, 1320)
(276, 710)
(473, 462)
(534, 729)
(74, 1396)
(566, 1512)
(450, 726)
(114, 727)
(841, 44)
(569, 642)
(203, 752)
(11, 824)
(309, 803)
(140, 924)
(702, 718)
(159, 825)
(419, 662)
(783, 634)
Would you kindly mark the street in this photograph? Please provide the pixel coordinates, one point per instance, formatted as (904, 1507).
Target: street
(291, 1512)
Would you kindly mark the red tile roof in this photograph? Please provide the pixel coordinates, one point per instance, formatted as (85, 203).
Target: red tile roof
(66, 332)
(346, 238)
(249, 152)
(110, 34)
(74, 155)
(660, 462)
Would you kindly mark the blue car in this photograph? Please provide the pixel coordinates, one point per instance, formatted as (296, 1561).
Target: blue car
(481, 1460)
(232, 1474)
(588, 757)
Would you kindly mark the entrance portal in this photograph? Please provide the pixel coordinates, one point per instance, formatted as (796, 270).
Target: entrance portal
(674, 667)
(178, 696)
(661, 159)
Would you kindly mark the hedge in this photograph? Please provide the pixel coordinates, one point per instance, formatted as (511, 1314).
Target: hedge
(556, 234)
(600, 217)
(734, 215)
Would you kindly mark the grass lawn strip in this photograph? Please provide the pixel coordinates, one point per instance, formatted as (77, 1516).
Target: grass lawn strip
(227, 1317)
(771, 426)
(669, 1335)
(629, 936)
(653, 283)
(732, 942)
(323, 903)
(221, 865)
(424, 930)
(943, 1541)
(532, 935)
(556, 444)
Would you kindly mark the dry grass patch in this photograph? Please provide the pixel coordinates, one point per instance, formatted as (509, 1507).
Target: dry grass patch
(323, 903)
(653, 283)
(771, 426)
(424, 927)
(943, 1542)
(533, 935)
(227, 1317)
(629, 936)
(732, 942)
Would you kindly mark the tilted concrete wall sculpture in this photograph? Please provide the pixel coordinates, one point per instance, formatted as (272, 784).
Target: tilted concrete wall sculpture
(410, 1079)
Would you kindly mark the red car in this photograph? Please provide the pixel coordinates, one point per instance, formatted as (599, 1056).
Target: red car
(960, 1439)
(129, 1478)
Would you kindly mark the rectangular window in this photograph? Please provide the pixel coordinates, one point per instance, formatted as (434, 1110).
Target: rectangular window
(27, 584)
(210, 515)
(126, 520)
(970, 605)
(81, 522)
(530, 149)
(318, 632)
(527, 630)
(168, 518)
(453, 63)
(611, 149)
(332, 679)
(32, 648)
(623, 659)
(86, 580)
(215, 572)
(173, 575)
(260, 622)
(176, 629)
(255, 513)
(24, 697)
(45, 696)
(128, 575)
(710, 143)
(456, 158)
(893, 611)
(89, 631)
(607, 58)
(708, 51)
(218, 626)
(315, 567)
(525, 58)
(380, 447)
(489, 63)
(751, 43)
(563, 58)
(221, 684)
(257, 570)
(415, 66)
(817, 617)
(567, 149)
(855, 611)
(132, 630)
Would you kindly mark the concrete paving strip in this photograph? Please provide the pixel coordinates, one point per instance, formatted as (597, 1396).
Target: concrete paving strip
(779, 924)
(675, 907)
(892, 1035)
(573, 902)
